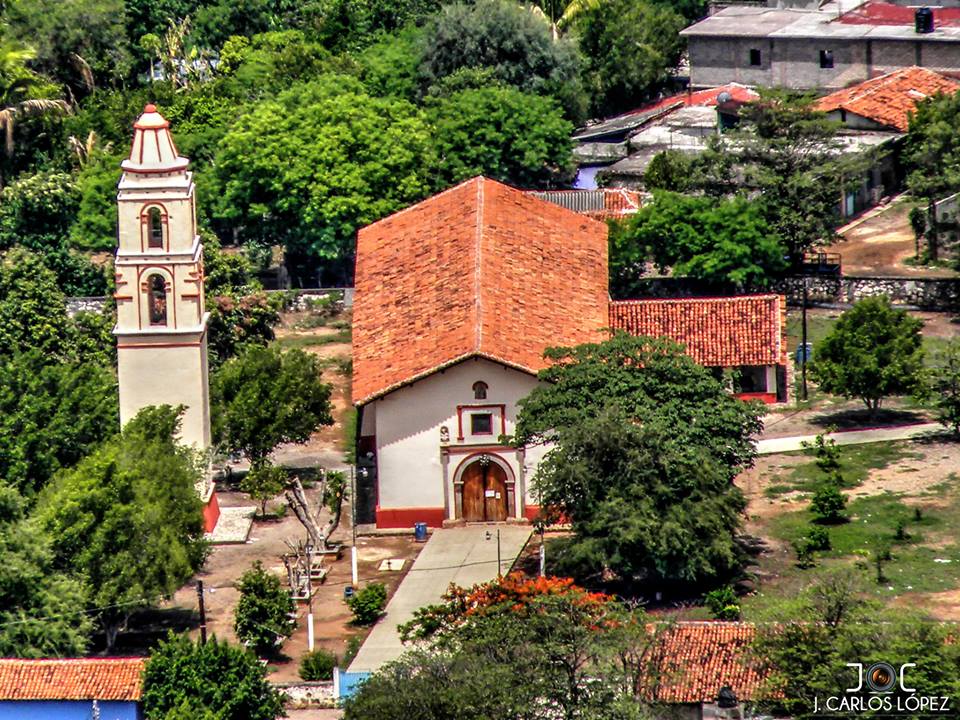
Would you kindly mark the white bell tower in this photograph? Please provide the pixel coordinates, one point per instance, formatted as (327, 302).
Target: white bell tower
(161, 323)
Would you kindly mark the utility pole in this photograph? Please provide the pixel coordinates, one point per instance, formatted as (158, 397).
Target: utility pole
(353, 525)
(803, 367)
(499, 566)
(310, 599)
(203, 613)
(543, 555)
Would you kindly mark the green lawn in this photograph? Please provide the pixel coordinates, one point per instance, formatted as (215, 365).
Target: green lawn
(304, 341)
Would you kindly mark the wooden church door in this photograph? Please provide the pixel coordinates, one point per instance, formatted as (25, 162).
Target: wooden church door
(484, 492)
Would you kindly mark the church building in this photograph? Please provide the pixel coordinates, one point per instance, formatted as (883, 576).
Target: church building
(456, 299)
(161, 319)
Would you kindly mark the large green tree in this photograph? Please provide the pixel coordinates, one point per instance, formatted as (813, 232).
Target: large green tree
(514, 137)
(647, 380)
(41, 607)
(630, 49)
(265, 615)
(51, 415)
(265, 397)
(931, 151)
(128, 519)
(322, 160)
(215, 677)
(788, 158)
(651, 512)
(726, 242)
(873, 351)
(515, 43)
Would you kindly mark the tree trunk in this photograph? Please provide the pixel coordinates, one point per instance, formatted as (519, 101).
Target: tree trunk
(319, 536)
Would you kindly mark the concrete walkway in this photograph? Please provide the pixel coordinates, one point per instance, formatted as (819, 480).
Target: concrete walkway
(464, 556)
(772, 446)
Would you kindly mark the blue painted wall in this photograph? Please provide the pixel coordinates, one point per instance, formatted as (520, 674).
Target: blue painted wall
(67, 710)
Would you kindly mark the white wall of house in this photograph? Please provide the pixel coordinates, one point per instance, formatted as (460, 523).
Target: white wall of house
(416, 468)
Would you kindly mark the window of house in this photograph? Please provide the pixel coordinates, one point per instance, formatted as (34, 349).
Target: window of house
(481, 424)
(751, 379)
(155, 227)
(826, 58)
(755, 57)
(479, 390)
(157, 297)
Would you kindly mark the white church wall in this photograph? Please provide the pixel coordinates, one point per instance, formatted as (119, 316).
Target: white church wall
(408, 429)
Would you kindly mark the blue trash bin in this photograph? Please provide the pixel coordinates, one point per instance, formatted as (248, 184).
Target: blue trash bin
(420, 532)
(348, 592)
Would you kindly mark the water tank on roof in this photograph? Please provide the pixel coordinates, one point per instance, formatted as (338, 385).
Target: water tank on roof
(924, 20)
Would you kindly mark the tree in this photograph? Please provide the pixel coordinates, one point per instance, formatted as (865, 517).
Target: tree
(23, 93)
(806, 648)
(320, 161)
(266, 397)
(36, 210)
(264, 483)
(132, 538)
(80, 43)
(931, 151)
(788, 158)
(873, 351)
(945, 384)
(630, 48)
(41, 609)
(32, 306)
(265, 615)
(238, 322)
(52, 414)
(514, 137)
(94, 224)
(643, 510)
(669, 170)
(213, 677)
(650, 381)
(514, 648)
(332, 491)
(727, 243)
(513, 42)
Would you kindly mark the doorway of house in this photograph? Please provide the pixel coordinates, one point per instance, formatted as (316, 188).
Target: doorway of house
(484, 492)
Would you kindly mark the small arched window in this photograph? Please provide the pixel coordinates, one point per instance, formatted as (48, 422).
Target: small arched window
(157, 297)
(155, 227)
(479, 390)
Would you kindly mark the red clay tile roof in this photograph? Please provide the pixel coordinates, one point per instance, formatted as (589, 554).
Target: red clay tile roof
(698, 658)
(72, 679)
(889, 99)
(878, 12)
(717, 332)
(482, 270)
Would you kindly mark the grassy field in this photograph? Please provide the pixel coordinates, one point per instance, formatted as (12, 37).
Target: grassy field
(903, 505)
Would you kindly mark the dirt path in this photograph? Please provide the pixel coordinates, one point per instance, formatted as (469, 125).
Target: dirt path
(880, 245)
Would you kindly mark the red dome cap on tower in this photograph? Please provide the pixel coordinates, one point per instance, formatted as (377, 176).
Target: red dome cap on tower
(153, 150)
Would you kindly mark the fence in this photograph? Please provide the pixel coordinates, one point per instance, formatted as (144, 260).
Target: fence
(345, 683)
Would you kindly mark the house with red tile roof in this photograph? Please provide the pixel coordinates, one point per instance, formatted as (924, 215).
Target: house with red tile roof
(456, 300)
(886, 102)
(70, 689)
(746, 334)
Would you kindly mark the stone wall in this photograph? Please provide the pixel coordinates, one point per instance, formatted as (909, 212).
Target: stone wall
(938, 294)
(307, 694)
(302, 299)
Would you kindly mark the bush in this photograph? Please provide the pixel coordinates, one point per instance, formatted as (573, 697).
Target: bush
(264, 615)
(367, 605)
(804, 550)
(723, 603)
(818, 538)
(318, 665)
(828, 505)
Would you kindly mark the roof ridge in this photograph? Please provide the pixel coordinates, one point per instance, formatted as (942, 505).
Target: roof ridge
(478, 268)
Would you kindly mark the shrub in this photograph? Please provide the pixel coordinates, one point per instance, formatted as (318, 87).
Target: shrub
(828, 505)
(265, 613)
(723, 603)
(318, 665)
(804, 550)
(818, 538)
(367, 605)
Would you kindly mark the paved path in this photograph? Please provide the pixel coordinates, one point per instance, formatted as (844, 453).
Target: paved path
(455, 555)
(772, 446)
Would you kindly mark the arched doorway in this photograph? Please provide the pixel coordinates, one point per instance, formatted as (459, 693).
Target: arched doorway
(485, 496)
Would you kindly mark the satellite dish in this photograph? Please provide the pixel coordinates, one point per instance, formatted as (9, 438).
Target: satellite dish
(724, 98)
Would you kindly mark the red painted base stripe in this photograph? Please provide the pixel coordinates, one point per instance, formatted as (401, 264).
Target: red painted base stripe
(407, 517)
(211, 513)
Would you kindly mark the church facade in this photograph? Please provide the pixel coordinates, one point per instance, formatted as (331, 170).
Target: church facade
(161, 326)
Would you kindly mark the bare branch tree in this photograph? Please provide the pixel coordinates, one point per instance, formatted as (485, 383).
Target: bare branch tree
(332, 489)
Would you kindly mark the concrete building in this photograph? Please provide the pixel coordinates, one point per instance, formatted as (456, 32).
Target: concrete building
(825, 48)
(161, 318)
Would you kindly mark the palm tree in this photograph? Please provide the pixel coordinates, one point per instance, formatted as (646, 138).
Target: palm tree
(21, 92)
(562, 13)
